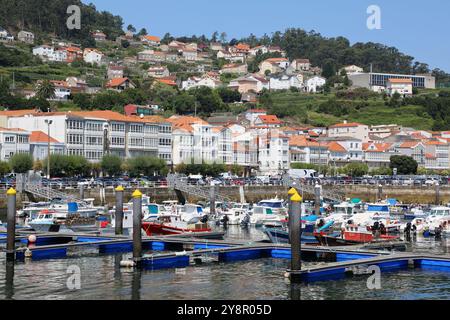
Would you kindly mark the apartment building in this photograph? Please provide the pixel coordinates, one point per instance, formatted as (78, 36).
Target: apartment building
(93, 133)
(13, 141)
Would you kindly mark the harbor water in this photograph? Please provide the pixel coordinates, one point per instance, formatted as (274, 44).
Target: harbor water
(102, 278)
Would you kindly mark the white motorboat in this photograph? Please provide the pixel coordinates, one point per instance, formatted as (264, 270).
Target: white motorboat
(262, 215)
(276, 205)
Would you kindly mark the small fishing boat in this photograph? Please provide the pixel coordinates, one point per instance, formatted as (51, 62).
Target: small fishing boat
(46, 221)
(170, 225)
(261, 215)
(415, 213)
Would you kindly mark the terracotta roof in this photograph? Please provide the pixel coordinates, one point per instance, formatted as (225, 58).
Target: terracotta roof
(379, 147)
(153, 38)
(346, 125)
(12, 129)
(430, 156)
(409, 144)
(270, 119)
(17, 113)
(116, 82)
(336, 147)
(39, 137)
(167, 81)
(302, 141)
(400, 80)
(242, 46)
(435, 143)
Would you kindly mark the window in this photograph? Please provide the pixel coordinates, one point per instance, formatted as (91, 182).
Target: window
(74, 139)
(118, 127)
(94, 141)
(92, 126)
(10, 139)
(118, 141)
(165, 142)
(74, 125)
(136, 128)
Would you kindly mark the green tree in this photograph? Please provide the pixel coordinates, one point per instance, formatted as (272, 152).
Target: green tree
(112, 165)
(131, 28)
(4, 168)
(21, 163)
(146, 166)
(45, 90)
(404, 165)
(356, 169)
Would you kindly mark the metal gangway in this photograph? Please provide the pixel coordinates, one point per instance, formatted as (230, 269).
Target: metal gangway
(33, 184)
(333, 194)
(176, 183)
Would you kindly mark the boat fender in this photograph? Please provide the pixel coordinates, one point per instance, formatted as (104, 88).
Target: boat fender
(32, 239)
(127, 264)
(180, 254)
(28, 253)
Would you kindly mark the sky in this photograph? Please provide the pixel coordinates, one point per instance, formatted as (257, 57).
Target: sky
(417, 28)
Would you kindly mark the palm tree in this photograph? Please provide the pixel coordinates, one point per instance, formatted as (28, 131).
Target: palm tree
(45, 90)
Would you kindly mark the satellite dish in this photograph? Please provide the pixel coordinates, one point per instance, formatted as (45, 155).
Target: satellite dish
(141, 116)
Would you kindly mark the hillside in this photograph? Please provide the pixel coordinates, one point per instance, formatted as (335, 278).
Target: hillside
(308, 109)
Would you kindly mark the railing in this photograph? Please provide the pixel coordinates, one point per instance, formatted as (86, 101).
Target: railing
(49, 193)
(174, 182)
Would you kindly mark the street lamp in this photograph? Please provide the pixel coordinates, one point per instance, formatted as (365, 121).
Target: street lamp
(48, 123)
(105, 138)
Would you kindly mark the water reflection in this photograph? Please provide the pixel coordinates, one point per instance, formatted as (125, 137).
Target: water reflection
(102, 278)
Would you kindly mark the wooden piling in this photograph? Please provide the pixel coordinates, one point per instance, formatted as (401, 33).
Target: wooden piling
(11, 229)
(119, 211)
(137, 226)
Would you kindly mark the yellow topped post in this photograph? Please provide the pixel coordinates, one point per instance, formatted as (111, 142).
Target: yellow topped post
(292, 191)
(119, 211)
(11, 227)
(137, 194)
(296, 198)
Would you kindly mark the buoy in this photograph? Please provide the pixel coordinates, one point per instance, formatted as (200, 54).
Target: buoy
(32, 238)
(127, 264)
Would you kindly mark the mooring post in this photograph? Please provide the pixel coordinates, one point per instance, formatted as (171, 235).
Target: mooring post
(380, 192)
(296, 234)
(317, 200)
(11, 229)
(137, 226)
(81, 191)
(291, 192)
(212, 199)
(119, 211)
(438, 196)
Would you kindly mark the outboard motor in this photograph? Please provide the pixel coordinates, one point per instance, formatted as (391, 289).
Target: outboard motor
(408, 228)
(204, 219)
(245, 221)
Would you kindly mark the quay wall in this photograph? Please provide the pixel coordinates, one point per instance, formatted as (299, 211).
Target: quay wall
(424, 195)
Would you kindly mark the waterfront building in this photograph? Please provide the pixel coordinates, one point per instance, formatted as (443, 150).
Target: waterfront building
(379, 81)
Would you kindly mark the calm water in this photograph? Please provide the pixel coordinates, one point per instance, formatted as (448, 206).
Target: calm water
(101, 278)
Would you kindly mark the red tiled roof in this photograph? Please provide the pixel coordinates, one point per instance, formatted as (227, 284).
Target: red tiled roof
(269, 119)
(346, 125)
(39, 136)
(336, 147)
(116, 82)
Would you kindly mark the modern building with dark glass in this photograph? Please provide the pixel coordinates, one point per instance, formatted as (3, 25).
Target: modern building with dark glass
(377, 81)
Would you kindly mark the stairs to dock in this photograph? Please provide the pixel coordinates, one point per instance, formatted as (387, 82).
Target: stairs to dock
(175, 182)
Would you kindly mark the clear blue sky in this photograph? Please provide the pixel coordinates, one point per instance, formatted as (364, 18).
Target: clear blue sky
(418, 28)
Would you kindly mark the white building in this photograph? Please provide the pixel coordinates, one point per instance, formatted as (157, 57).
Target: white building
(354, 130)
(404, 87)
(205, 81)
(13, 141)
(25, 36)
(286, 82)
(194, 141)
(353, 69)
(315, 83)
(83, 133)
(253, 114)
(92, 56)
(273, 151)
(39, 145)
